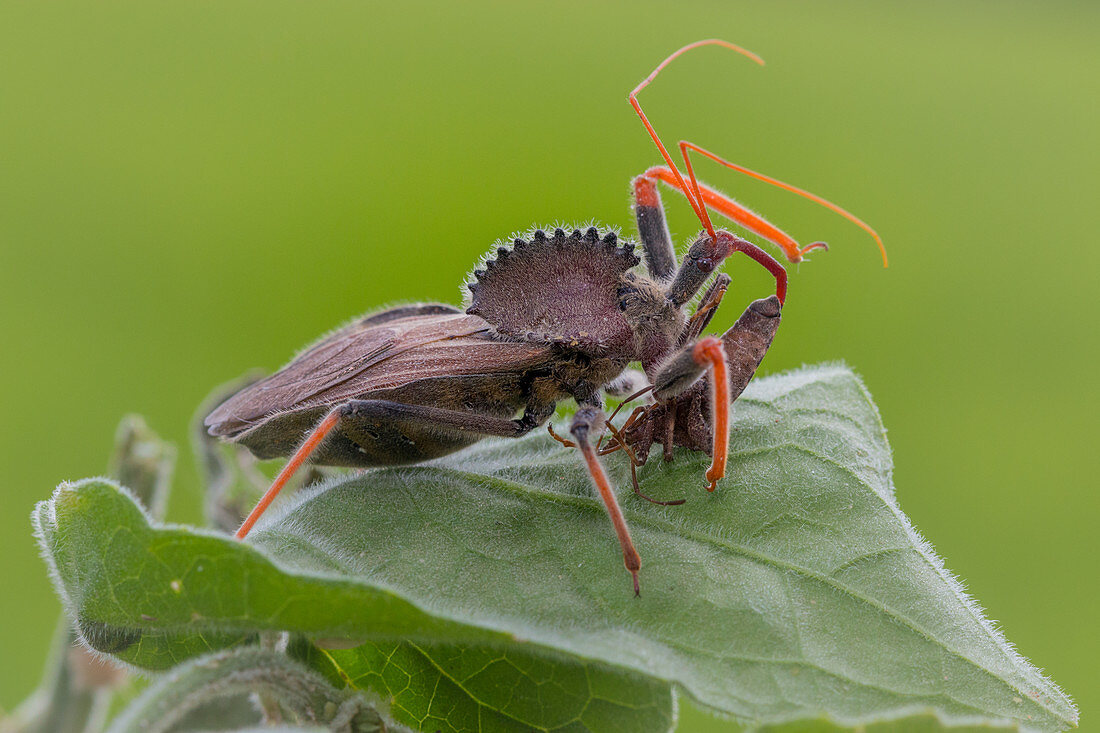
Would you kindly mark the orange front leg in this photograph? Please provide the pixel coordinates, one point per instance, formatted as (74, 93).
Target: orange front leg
(709, 352)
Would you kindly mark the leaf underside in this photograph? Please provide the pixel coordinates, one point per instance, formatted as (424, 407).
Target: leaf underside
(797, 589)
(451, 687)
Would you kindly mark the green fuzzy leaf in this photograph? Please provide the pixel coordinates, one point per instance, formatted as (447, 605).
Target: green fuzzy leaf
(143, 463)
(905, 723)
(78, 690)
(796, 589)
(182, 699)
(466, 688)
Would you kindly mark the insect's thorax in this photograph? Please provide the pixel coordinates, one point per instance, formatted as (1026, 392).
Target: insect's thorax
(655, 321)
(580, 294)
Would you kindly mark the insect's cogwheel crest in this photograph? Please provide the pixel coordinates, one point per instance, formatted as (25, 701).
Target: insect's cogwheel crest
(557, 288)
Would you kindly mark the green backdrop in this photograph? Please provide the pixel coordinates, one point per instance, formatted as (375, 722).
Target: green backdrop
(191, 189)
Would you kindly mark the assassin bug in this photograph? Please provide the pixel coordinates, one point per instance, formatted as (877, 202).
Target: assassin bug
(557, 315)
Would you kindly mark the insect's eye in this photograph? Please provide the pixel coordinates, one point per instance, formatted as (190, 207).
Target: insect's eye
(705, 264)
(626, 290)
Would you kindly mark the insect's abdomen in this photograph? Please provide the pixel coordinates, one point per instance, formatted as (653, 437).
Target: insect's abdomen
(361, 442)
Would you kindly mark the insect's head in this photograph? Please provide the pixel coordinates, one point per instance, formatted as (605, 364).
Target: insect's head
(707, 252)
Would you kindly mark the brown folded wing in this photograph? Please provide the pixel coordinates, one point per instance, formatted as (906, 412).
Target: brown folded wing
(373, 354)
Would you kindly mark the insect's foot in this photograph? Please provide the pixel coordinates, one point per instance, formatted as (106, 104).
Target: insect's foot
(658, 502)
(555, 436)
(633, 565)
(811, 247)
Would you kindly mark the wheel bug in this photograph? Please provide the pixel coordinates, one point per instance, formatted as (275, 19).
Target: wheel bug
(553, 316)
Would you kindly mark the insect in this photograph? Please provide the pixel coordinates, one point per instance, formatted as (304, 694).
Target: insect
(553, 316)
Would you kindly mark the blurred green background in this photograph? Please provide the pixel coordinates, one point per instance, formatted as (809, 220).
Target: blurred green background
(191, 189)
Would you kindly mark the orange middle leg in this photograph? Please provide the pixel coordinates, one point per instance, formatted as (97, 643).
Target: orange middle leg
(586, 418)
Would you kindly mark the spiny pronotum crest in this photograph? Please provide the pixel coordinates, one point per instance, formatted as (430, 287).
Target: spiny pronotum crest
(556, 288)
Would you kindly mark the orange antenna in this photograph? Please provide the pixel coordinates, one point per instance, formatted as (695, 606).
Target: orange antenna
(696, 204)
(702, 197)
(686, 146)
